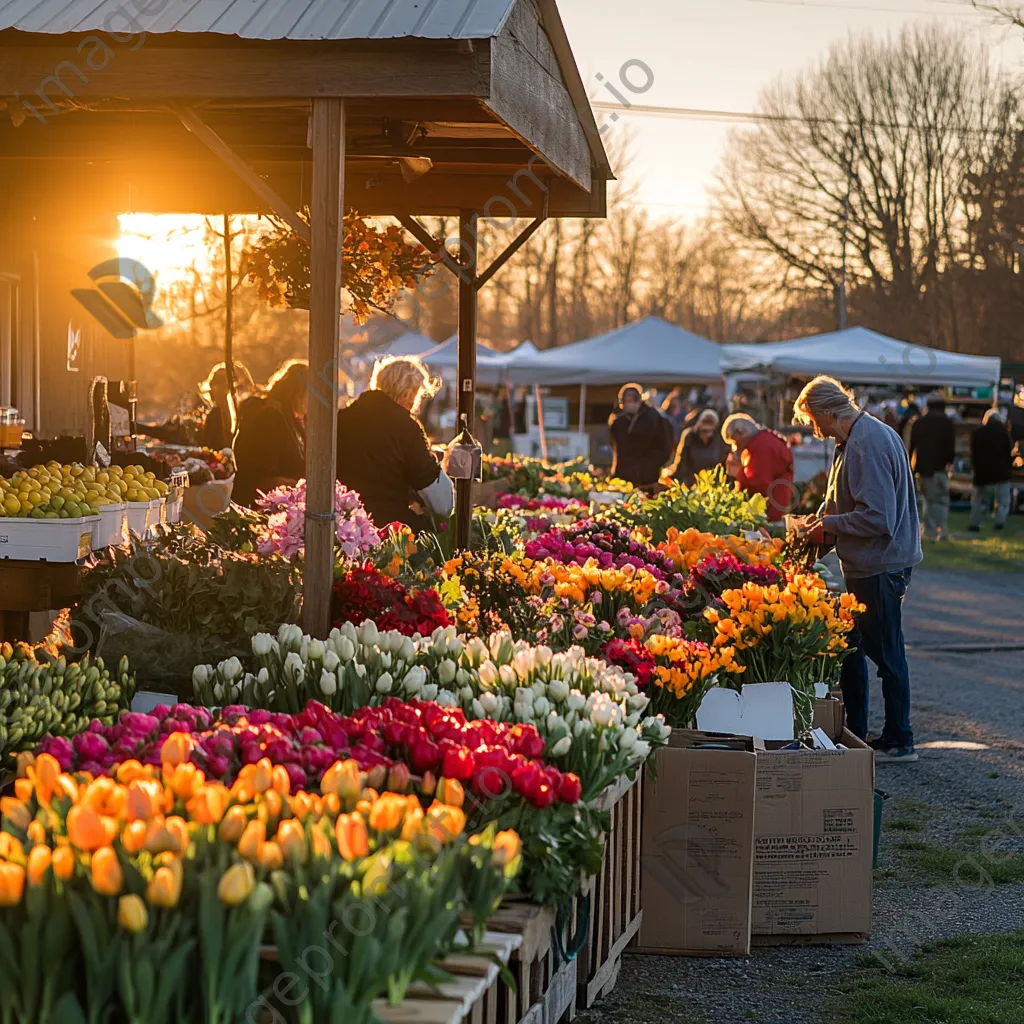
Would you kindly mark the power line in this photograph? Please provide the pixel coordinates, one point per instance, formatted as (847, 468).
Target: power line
(824, 4)
(751, 117)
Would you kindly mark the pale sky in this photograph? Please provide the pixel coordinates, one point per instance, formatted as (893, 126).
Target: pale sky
(717, 54)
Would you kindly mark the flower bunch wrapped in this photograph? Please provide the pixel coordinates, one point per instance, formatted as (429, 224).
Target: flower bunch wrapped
(793, 633)
(285, 532)
(137, 885)
(685, 548)
(367, 593)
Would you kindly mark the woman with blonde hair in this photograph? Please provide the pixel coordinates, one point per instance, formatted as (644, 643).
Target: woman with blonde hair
(383, 451)
(222, 419)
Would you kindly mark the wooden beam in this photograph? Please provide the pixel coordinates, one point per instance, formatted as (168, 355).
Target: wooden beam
(524, 236)
(194, 123)
(466, 372)
(249, 69)
(326, 213)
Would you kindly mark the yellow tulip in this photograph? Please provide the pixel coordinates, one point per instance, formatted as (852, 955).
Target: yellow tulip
(236, 884)
(132, 914)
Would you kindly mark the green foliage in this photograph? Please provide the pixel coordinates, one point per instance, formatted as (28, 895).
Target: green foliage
(711, 505)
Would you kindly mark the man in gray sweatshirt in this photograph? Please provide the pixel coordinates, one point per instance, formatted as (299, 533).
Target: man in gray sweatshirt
(870, 515)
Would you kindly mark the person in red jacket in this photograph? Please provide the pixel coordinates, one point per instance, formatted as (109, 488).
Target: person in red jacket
(761, 463)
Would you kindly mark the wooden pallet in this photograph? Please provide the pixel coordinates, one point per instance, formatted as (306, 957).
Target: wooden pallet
(615, 911)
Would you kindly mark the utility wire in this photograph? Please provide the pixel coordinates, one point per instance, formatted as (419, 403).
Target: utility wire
(824, 4)
(751, 117)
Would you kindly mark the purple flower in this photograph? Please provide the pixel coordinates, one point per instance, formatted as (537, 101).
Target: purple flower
(60, 747)
(140, 725)
(90, 746)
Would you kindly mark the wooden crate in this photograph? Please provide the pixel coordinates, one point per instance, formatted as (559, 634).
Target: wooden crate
(615, 911)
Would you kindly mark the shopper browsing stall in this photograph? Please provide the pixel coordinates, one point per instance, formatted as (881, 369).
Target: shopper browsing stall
(642, 439)
(270, 446)
(383, 452)
(870, 514)
(992, 459)
(222, 419)
(761, 463)
(932, 451)
(700, 447)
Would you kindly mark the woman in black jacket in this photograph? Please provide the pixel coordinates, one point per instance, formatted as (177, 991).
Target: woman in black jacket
(270, 446)
(701, 447)
(221, 422)
(642, 440)
(992, 461)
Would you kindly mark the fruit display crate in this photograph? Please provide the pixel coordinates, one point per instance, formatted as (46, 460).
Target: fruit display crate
(47, 540)
(112, 529)
(143, 515)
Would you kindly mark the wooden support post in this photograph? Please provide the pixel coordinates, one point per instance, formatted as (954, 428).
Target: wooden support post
(467, 365)
(326, 214)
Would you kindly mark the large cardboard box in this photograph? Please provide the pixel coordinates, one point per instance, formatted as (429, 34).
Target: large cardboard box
(830, 715)
(697, 846)
(814, 822)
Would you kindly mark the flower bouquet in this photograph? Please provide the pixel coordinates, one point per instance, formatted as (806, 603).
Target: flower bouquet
(367, 593)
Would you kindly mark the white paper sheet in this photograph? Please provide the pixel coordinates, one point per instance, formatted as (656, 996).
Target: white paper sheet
(763, 710)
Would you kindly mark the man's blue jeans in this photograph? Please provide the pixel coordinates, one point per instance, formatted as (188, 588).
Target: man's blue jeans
(878, 635)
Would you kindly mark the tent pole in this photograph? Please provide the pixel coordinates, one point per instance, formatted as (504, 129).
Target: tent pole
(583, 408)
(540, 422)
(466, 372)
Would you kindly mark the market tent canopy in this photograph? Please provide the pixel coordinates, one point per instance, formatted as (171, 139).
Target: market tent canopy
(650, 351)
(860, 356)
(410, 344)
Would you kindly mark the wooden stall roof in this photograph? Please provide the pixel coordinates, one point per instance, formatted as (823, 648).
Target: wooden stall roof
(487, 91)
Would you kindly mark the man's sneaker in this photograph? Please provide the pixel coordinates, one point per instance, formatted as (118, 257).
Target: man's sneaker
(903, 755)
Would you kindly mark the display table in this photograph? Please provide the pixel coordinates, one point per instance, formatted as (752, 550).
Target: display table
(27, 587)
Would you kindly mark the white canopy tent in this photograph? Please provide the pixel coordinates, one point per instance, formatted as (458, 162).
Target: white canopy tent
(860, 356)
(650, 351)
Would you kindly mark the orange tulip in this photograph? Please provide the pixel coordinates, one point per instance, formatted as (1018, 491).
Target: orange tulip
(279, 780)
(23, 789)
(12, 884)
(145, 799)
(63, 862)
(209, 802)
(183, 779)
(291, 838)
(107, 876)
(178, 828)
(445, 823)
(343, 779)
(177, 748)
(23, 762)
(105, 797)
(232, 825)
(413, 823)
(15, 812)
(302, 805)
(46, 774)
(159, 838)
(271, 806)
(429, 783)
(321, 844)
(262, 777)
(253, 838)
(507, 847)
(271, 856)
(134, 836)
(67, 786)
(387, 813)
(332, 804)
(39, 859)
(36, 832)
(450, 792)
(87, 830)
(128, 771)
(350, 832)
(236, 884)
(165, 888)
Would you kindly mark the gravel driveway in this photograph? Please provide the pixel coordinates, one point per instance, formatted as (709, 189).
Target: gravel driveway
(969, 724)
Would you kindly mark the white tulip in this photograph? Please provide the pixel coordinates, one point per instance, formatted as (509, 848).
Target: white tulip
(582, 728)
(262, 644)
(456, 646)
(478, 709)
(346, 650)
(638, 702)
(407, 651)
(466, 693)
(360, 670)
(633, 719)
(414, 679)
(384, 683)
(316, 650)
(368, 633)
(429, 692)
(642, 749)
(490, 703)
(543, 655)
(488, 674)
(201, 675)
(263, 677)
(231, 669)
(628, 740)
(446, 671)
(328, 683)
(349, 631)
(477, 651)
(558, 690)
(331, 660)
(447, 699)
(507, 675)
(293, 667)
(576, 701)
(604, 714)
(463, 678)
(562, 747)
(522, 662)
(541, 707)
(218, 691)
(304, 648)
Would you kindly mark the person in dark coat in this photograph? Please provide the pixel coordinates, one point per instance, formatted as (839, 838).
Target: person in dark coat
(642, 440)
(384, 453)
(701, 447)
(992, 459)
(221, 421)
(932, 451)
(270, 446)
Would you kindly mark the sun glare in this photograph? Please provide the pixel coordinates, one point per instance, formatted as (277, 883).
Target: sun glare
(166, 244)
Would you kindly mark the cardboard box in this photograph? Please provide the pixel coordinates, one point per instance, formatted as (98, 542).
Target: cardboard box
(829, 715)
(697, 847)
(814, 829)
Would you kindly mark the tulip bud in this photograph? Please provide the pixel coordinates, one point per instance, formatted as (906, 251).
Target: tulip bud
(478, 708)
(132, 914)
(231, 669)
(558, 690)
(262, 897)
(39, 860)
(488, 674)
(200, 675)
(414, 680)
(446, 672)
(384, 683)
(350, 832)
(12, 884)
(316, 650)
(331, 661)
(368, 633)
(342, 779)
(236, 884)
(398, 778)
(262, 644)
(562, 747)
(263, 677)
(408, 649)
(232, 825)
(107, 876)
(328, 683)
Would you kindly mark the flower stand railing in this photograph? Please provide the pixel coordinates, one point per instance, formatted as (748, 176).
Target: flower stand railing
(615, 911)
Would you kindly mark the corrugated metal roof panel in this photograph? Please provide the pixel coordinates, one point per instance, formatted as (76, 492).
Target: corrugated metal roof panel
(267, 19)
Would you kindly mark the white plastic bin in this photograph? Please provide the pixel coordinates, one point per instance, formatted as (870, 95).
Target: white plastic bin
(142, 515)
(176, 495)
(112, 529)
(48, 540)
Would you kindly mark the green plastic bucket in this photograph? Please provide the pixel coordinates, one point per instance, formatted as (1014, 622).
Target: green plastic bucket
(880, 799)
